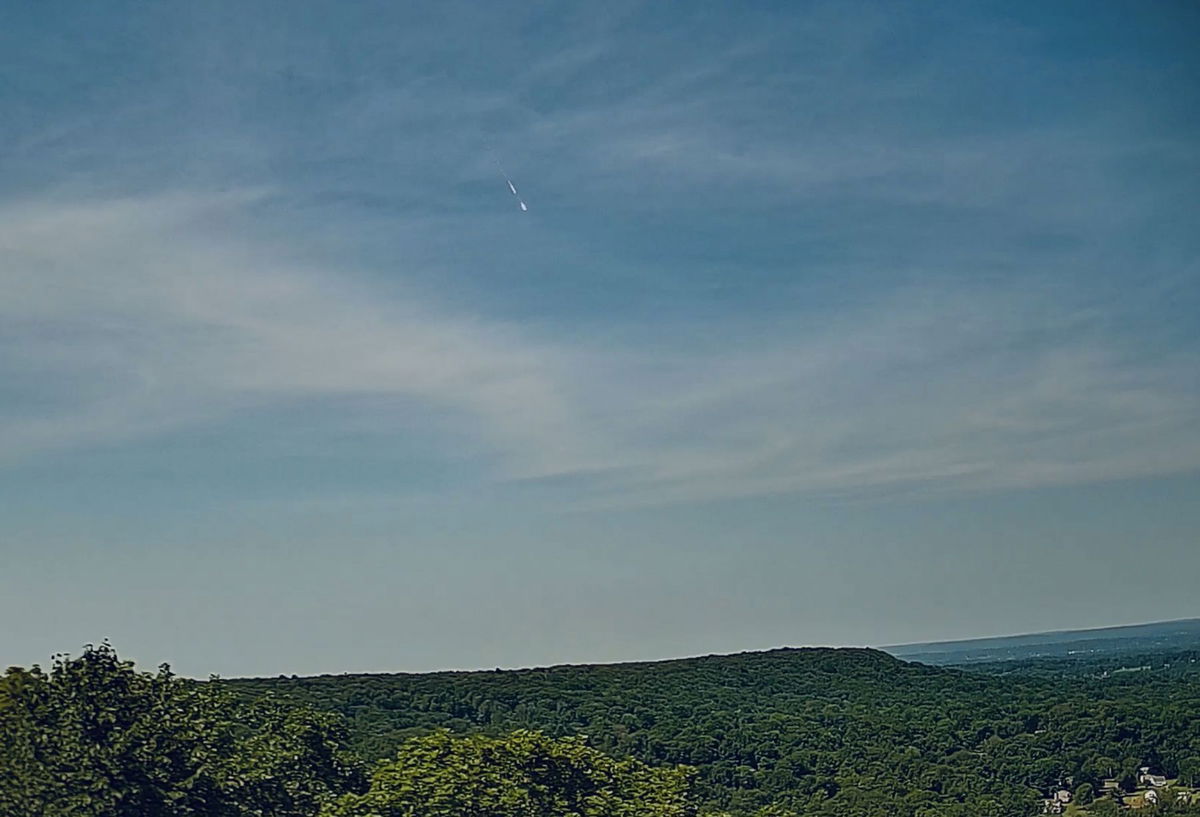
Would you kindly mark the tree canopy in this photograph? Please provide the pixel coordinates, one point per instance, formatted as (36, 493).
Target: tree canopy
(524, 774)
(851, 733)
(93, 736)
(818, 731)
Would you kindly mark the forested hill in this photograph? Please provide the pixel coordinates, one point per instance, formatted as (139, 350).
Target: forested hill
(1130, 639)
(837, 731)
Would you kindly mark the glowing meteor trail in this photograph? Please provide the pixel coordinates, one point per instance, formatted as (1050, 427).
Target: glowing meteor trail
(513, 188)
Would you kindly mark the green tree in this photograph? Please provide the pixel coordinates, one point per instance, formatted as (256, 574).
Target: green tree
(1128, 778)
(1084, 794)
(1189, 771)
(524, 774)
(846, 733)
(96, 738)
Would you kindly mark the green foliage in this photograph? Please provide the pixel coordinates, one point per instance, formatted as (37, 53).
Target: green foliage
(788, 733)
(95, 737)
(1189, 771)
(1084, 794)
(524, 774)
(853, 733)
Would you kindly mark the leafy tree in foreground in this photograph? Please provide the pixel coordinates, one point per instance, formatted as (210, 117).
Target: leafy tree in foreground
(524, 774)
(94, 737)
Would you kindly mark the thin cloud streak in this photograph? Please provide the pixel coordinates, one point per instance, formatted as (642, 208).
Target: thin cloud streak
(135, 317)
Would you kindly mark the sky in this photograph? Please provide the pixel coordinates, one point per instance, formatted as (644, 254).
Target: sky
(846, 323)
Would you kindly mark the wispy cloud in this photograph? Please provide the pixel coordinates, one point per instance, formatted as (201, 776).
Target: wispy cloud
(140, 318)
(966, 348)
(133, 317)
(929, 389)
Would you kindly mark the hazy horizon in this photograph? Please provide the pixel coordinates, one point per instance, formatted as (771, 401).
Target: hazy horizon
(827, 323)
(145, 664)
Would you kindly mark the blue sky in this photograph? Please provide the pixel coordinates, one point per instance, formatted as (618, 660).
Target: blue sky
(828, 323)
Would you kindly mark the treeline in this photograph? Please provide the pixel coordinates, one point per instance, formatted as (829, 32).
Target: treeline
(93, 737)
(1160, 664)
(853, 733)
(818, 731)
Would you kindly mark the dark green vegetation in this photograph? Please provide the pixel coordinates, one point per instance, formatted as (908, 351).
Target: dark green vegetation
(1178, 664)
(807, 732)
(847, 732)
(95, 737)
(524, 773)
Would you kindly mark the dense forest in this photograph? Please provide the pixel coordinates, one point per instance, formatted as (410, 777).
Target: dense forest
(817, 731)
(796, 731)
(1157, 665)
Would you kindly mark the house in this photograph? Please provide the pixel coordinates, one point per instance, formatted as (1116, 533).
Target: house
(1154, 780)
(1056, 802)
